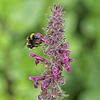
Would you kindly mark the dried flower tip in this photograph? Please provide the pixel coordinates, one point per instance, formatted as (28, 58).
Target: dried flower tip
(40, 97)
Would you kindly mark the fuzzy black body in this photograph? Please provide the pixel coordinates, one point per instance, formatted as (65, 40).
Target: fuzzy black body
(32, 41)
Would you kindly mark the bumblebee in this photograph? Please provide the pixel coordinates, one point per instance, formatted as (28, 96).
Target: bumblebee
(32, 41)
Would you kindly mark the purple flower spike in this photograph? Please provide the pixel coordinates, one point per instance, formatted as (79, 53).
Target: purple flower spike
(63, 56)
(57, 49)
(36, 61)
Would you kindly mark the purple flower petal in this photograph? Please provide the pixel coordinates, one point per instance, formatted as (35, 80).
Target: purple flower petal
(62, 82)
(37, 83)
(39, 78)
(54, 76)
(32, 55)
(55, 71)
(56, 43)
(66, 65)
(36, 61)
(66, 45)
(39, 58)
(68, 52)
(47, 42)
(66, 60)
(40, 36)
(70, 60)
(32, 78)
(54, 85)
(43, 82)
(36, 78)
(50, 53)
(63, 56)
(61, 51)
(60, 35)
(35, 86)
(47, 86)
(68, 69)
(44, 87)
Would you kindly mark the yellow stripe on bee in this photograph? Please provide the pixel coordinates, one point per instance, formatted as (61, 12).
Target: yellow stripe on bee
(33, 48)
(31, 36)
(27, 42)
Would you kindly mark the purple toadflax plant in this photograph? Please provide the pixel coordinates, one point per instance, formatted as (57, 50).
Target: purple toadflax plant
(57, 49)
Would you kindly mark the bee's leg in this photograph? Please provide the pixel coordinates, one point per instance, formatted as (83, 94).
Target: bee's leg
(36, 43)
(37, 38)
(24, 43)
(36, 46)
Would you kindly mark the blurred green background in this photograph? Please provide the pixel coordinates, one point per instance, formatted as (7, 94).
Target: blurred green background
(19, 18)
